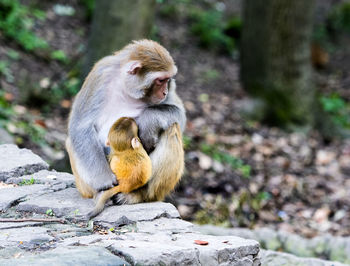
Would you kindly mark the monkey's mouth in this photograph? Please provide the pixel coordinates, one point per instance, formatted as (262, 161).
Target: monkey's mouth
(156, 100)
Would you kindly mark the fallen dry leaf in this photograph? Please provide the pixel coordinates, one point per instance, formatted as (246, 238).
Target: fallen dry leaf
(321, 215)
(8, 96)
(66, 103)
(201, 242)
(40, 122)
(3, 185)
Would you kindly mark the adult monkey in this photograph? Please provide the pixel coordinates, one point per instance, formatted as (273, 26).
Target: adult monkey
(134, 82)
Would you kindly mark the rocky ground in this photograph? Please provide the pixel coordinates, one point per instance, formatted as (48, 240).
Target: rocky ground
(42, 221)
(238, 172)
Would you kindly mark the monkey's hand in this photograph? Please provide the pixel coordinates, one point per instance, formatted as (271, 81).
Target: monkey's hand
(149, 135)
(155, 120)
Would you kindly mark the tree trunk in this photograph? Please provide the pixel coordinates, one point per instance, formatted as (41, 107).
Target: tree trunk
(116, 23)
(275, 58)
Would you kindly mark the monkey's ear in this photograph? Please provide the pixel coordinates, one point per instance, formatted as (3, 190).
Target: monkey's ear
(135, 143)
(134, 68)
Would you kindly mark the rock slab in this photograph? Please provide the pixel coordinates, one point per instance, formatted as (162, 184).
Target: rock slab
(327, 246)
(181, 249)
(16, 162)
(274, 258)
(140, 234)
(11, 195)
(87, 256)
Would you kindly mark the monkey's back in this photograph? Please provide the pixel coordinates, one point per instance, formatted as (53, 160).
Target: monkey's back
(165, 178)
(132, 168)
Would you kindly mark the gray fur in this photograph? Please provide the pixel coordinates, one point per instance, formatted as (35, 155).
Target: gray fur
(92, 164)
(157, 118)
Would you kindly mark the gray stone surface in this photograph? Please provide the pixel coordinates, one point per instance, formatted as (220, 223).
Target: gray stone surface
(72, 256)
(44, 177)
(64, 231)
(11, 252)
(140, 234)
(92, 239)
(67, 202)
(18, 225)
(8, 196)
(164, 224)
(16, 162)
(126, 214)
(26, 236)
(165, 248)
(334, 248)
(5, 137)
(274, 258)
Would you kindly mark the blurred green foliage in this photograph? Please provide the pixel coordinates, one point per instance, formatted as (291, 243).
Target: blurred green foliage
(6, 110)
(6, 71)
(338, 109)
(50, 212)
(27, 182)
(67, 89)
(89, 7)
(16, 22)
(336, 24)
(215, 212)
(210, 28)
(242, 209)
(23, 124)
(60, 55)
(247, 205)
(207, 22)
(35, 132)
(339, 17)
(210, 75)
(223, 157)
(186, 141)
(12, 54)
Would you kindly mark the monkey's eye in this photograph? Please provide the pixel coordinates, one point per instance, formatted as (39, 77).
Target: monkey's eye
(161, 81)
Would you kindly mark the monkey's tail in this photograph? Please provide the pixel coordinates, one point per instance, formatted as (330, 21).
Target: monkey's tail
(101, 201)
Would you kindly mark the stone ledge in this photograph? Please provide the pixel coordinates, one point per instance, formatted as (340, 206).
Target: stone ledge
(143, 234)
(274, 258)
(327, 246)
(16, 162)
(68, 256)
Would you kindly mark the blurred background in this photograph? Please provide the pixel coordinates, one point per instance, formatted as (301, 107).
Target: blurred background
(266, 86)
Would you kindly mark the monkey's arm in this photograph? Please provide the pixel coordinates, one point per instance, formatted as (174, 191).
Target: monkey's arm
(86, 149)
(89, 158)
(157, 118)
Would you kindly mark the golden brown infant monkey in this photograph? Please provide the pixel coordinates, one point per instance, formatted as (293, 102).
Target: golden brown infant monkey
(128, 160)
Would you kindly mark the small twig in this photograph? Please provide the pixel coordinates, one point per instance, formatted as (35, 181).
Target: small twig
(12, 220)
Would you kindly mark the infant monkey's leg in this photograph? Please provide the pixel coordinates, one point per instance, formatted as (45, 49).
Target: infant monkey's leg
(138, 177)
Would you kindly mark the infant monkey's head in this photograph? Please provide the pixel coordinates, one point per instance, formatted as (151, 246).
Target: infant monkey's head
(123, 135)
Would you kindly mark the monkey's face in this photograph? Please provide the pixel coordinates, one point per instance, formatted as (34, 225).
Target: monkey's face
(158, 91)
(148, 71)
(152, 87)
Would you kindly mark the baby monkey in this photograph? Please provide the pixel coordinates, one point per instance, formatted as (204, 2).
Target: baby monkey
(128, 160)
